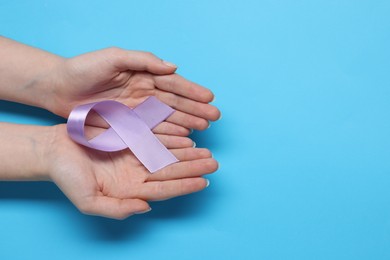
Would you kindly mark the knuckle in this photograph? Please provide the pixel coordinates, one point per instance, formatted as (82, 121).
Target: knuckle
(170, 79)
(149, 54)
(114, 50)
(165, 127)
(159, 189)
(173, 100)
(164, 173)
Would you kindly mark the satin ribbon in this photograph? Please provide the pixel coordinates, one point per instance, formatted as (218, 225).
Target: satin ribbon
(129, 128)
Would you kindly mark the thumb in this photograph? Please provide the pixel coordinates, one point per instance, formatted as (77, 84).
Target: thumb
(140, 61)
(114, 208)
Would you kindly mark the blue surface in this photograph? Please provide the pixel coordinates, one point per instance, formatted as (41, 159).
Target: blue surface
(303, 145)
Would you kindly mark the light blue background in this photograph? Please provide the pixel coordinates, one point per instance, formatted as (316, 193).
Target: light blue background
(304, 142)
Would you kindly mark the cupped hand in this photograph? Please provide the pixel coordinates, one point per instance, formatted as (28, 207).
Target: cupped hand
(117, 185)
(130, 77)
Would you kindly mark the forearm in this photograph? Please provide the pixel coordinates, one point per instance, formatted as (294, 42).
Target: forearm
(24, 152)
(21, 69)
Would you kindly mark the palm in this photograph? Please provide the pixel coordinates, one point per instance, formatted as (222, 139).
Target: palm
(128, 87)
(100, 173)
(96, 179)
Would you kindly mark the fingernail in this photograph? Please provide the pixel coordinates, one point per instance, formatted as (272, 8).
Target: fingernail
(143, 212)
(207, 183)
(169, 64)
(220, 117)
(214, 98)
(194, 144)
(209, 125)
(191, 130)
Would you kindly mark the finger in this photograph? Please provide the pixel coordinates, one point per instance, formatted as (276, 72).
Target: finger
(189, 106)
(176, 84)
(190, 154)
(91, 132)
(162, 190)
(171, 129)
(188, 121)
(94, 119)
(140, 61)
(172, 136)
(186, 169)
(173, 142)
(113, 207)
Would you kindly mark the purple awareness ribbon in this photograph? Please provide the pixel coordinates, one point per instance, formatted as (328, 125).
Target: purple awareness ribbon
(129, 128)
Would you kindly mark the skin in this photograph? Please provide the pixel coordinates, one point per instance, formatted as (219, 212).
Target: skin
(114, 185)
(35, 77)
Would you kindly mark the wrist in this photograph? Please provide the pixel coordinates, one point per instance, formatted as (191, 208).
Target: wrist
(44, 85)
(46, 141)
(23, 69)
(25, 153)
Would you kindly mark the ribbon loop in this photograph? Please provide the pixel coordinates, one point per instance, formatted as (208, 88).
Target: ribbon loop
(129, 128)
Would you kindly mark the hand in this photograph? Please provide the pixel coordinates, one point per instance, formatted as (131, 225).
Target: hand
(117, 185)
(130, 77)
